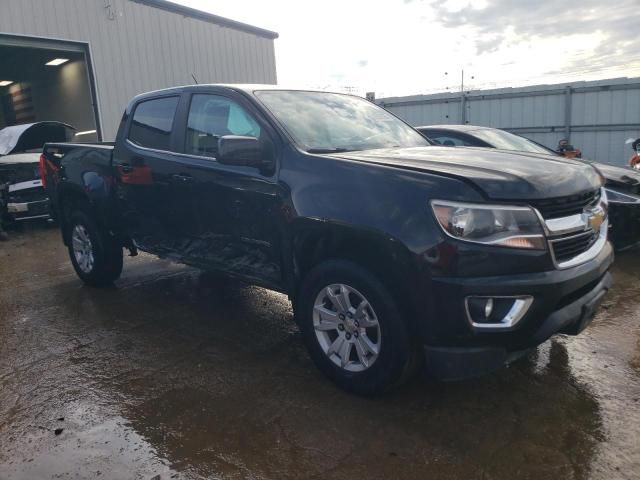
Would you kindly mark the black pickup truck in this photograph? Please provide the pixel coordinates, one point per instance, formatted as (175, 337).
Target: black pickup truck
(395, 253)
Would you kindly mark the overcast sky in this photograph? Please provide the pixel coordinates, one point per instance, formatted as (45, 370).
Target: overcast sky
(400, 47)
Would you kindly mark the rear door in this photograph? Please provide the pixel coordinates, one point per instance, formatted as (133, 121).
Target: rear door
(151, 184)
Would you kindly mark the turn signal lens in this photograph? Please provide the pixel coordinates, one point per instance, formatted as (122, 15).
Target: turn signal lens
(524, 242)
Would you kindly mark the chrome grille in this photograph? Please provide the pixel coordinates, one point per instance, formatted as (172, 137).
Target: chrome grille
(19, 173)
(34, 194)
(566, 206)
(580, 233)
(570, 246)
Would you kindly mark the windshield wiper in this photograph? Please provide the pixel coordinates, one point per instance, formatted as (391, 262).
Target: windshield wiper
(329, 150)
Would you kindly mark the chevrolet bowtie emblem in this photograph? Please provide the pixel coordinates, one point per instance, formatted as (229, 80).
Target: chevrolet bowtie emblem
(595, 218)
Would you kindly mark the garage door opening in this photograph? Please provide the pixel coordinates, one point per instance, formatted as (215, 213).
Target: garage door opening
(43, 80)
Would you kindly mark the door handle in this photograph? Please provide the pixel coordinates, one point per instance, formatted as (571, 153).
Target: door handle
(182, 177)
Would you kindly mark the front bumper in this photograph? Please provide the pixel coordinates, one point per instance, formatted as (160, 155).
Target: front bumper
(565, 301)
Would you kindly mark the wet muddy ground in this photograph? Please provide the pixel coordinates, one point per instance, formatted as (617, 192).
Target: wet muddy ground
(178, 374)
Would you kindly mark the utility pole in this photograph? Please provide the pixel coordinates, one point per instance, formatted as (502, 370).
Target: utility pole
(463, 98)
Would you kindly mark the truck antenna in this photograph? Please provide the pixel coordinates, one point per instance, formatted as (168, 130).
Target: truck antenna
(194, 78)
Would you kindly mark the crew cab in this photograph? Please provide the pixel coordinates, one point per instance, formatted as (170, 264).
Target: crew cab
(395, 253)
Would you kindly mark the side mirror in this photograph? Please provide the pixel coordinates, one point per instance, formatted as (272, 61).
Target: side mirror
(241, 151)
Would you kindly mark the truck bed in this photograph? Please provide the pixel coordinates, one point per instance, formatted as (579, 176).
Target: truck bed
(72, 154)
(84, 167)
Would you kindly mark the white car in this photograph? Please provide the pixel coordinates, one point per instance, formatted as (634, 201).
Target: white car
(20, 149)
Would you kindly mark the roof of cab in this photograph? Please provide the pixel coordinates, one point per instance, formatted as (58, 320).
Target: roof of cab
(456, 128)
(241, 87)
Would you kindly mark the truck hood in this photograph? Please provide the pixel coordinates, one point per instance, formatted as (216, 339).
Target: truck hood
(30, 136)
(501, 175)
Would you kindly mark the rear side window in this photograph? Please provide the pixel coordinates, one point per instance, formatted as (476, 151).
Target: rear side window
(449, 139)
(152, 123)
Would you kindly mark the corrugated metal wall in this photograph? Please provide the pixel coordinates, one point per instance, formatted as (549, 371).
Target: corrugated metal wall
(597, 116)
(137, 48)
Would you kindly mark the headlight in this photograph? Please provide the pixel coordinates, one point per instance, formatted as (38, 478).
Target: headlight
(618, 197)
(515, 227)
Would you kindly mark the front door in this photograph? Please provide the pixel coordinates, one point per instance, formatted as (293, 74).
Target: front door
(237, 208)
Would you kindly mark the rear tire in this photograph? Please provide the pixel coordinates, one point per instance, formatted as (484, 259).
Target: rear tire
(96, 258)
(380, 355)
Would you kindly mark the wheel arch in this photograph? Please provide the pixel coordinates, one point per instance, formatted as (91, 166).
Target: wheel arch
(69, 199)
(388, 259)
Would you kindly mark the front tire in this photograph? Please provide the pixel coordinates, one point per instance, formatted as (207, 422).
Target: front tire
(96, 258)
(353, 329)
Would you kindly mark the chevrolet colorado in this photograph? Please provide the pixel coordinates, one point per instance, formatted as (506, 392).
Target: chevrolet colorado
(395, 253)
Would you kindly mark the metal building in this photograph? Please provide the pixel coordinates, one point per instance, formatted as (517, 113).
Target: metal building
(597, 116)
(81, 61)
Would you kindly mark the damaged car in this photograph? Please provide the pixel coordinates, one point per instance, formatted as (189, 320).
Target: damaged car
(20, 150)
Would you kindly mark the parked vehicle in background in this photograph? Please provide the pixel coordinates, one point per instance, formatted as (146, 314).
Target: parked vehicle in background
(20, 150)
(622, 184)
(634, 161)
(4, 190)
(390, 249)
(565, 149)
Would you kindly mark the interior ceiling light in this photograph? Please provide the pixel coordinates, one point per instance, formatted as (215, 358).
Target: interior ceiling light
(5, 83)
(57, 61)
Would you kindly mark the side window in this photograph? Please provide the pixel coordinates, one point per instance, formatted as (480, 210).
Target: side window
(459, 140)
(213, 116)
(152, 122)
(448, 141)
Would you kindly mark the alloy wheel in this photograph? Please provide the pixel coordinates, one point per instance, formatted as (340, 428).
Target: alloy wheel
(346, 327)
(82, 248)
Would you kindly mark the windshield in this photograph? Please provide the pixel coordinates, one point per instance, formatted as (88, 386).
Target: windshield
(508, 141)
(331, 122)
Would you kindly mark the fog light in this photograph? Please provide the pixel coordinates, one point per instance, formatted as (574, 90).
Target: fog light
(497, 312)
(488, 308)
